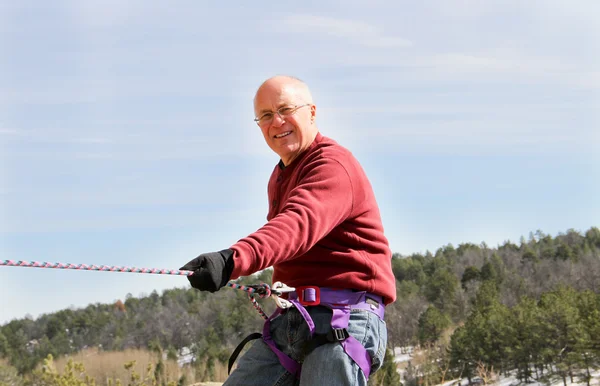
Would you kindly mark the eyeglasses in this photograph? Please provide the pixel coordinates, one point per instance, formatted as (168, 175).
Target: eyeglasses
(284, 111)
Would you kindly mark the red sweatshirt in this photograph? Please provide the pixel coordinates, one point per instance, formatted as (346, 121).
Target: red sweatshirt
(324, 227)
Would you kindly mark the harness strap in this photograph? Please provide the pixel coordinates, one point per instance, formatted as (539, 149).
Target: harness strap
(332, 336)
(341, 302)
(239, 348)
(288, 363)
(352, 347)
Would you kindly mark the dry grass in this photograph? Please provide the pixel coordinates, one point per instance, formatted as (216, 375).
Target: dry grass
(220, 373)
(103, 366)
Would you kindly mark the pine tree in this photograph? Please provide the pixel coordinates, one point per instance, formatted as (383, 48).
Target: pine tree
(432, 323)
(4, 348)
(461, 351)
(471, 273)
(560, 328)
(525, 351)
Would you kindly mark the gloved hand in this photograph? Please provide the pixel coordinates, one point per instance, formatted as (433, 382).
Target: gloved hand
(211, 270)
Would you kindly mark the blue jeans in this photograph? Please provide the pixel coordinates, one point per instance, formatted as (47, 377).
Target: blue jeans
(326, 365)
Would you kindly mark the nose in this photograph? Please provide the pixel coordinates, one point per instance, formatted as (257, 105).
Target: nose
(277, 120)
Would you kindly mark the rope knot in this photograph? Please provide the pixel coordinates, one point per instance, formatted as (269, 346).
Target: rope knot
(263, 290)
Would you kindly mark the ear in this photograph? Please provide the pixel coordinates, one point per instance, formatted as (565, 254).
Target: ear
(313, 113)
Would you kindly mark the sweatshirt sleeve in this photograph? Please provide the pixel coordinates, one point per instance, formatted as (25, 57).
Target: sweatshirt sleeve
(322, 199)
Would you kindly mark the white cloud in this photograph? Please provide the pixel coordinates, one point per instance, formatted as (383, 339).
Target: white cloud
(71, 222)
(150, 143)
(587, 80)
(107, 13)
(7, 131)
(91, 140)
(358, 32)
(387, 69)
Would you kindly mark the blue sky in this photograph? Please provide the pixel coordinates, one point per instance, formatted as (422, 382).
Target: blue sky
(126, 132)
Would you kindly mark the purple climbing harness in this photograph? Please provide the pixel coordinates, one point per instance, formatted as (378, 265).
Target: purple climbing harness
(341, 302)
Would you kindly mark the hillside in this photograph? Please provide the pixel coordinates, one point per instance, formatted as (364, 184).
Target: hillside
(532, 307)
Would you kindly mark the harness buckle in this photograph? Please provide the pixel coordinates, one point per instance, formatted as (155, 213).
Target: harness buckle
(309, 295)
(337, 334)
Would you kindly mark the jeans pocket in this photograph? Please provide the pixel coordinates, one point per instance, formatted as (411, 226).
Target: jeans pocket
(381, 346)
(371, 332)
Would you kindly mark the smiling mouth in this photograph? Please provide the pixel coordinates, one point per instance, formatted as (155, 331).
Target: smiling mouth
(283, 134)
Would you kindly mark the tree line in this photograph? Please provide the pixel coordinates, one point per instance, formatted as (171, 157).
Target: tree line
(532, 307)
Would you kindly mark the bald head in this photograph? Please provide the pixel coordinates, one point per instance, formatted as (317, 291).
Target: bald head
(291, 84)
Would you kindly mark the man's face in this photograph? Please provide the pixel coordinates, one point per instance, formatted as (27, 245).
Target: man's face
(291, 133)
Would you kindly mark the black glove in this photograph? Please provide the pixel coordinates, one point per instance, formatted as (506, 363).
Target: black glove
(211, 270)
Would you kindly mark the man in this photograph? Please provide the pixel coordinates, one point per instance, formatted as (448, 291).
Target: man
(324, 231)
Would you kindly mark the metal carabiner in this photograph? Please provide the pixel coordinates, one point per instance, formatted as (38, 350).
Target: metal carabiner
(278, 288)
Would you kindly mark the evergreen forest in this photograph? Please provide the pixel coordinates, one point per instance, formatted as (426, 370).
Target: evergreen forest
(531, 309)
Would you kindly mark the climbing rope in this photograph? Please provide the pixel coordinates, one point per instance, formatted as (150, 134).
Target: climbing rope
(263, 290)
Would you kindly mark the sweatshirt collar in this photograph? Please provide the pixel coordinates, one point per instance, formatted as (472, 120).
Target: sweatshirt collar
(313, 144)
